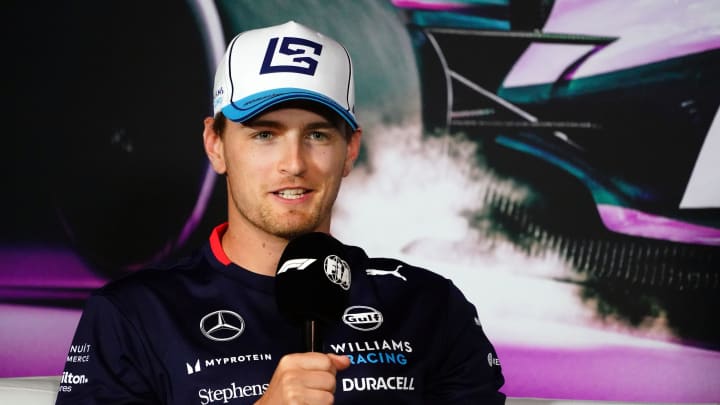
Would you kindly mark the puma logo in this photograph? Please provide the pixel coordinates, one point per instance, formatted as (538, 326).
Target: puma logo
(396, 273)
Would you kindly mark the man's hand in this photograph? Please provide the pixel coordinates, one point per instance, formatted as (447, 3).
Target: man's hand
(304, 378)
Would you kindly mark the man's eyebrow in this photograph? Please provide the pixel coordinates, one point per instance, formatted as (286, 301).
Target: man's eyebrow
(263, 123)
(320, 125)
(278, 125)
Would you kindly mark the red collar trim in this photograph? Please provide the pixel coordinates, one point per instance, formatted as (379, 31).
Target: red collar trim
(216, 243)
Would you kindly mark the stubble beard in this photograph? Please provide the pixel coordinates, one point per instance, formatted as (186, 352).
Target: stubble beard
(286, 225)
(289, 225)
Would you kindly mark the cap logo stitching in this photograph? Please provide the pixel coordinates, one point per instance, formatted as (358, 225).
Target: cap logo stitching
(290, 46)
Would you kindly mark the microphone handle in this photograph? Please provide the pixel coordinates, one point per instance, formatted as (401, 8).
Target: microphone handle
(313, 341)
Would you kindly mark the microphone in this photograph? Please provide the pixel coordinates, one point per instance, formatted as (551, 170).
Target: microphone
(312, 284)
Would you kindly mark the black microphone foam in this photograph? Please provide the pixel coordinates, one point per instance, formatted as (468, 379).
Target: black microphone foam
(312, 282)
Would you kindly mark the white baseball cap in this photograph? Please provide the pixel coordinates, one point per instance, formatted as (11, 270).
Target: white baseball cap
(267, 66)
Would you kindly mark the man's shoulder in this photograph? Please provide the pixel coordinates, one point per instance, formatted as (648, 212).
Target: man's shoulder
(161, 276)
(401, 270)
(393, 272)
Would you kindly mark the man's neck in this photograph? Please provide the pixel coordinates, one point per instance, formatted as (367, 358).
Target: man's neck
(253, 251)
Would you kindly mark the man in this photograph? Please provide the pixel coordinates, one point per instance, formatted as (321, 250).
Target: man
(207, 330)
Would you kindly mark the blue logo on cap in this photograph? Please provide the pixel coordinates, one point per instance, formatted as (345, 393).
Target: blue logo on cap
(303, 63)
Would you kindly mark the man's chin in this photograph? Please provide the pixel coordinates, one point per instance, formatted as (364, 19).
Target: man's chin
(292, 233)
(289, 224)
(293, 229)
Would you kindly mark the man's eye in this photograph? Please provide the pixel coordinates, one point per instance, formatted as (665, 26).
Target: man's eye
(318, 136)
(263, 135)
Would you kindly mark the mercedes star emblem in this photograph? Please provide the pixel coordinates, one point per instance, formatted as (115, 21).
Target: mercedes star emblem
(222, 325)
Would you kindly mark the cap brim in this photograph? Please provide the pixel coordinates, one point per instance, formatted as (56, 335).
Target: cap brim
(247, 108)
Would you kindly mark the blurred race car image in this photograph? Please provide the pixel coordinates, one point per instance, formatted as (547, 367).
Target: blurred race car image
(622, 96)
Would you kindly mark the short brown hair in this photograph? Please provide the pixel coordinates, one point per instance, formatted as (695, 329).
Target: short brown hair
(334, 118)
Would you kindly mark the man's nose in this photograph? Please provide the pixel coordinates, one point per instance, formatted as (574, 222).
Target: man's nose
(292, 160)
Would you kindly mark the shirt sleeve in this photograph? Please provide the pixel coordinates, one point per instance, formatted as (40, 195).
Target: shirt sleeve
(469, 372)
(107, 361)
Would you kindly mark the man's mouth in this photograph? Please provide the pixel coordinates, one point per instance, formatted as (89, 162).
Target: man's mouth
(291, 193)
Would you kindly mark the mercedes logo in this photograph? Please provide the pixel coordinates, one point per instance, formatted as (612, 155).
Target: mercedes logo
(222, 325)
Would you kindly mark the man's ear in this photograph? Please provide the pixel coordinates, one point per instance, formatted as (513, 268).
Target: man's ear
(213, 144)
(353, 150)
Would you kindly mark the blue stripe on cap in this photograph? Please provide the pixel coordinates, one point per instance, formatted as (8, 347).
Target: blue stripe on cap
(245, 109)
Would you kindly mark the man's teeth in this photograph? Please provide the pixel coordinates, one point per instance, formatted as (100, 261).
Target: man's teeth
(291, 194)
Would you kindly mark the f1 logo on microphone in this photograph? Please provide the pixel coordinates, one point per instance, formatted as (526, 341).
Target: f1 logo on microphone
(290, 47)
(299, 264)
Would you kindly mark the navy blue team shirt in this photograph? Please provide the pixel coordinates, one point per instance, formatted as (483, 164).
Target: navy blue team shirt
(206, 331)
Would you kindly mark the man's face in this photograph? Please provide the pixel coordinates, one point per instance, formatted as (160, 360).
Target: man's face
(283, 169)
